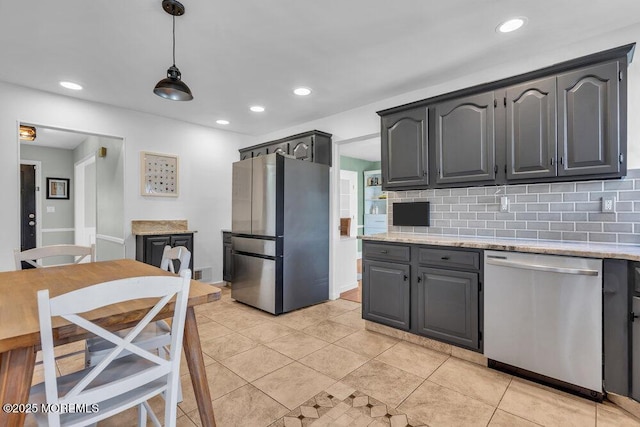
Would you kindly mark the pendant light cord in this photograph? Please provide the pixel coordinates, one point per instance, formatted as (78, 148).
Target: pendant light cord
(174, 40)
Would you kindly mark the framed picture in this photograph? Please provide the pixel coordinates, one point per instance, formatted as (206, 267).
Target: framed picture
(158, 174)
(58, 188)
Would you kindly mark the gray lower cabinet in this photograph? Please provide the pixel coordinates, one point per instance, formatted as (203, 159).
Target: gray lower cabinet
(227, 257)
(635, 352)
(404, 149)
(386, 295)
(149, 248)
(447, 306)
(426, 290)
(465, 140)
(589, 122)
(531, 130)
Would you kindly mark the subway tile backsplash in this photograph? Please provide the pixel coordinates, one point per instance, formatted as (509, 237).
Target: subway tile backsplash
(568, 211)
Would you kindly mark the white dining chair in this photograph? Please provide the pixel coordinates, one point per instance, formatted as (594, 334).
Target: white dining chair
(116, 383)
(31, 256)
(156, 335)
(178, 253)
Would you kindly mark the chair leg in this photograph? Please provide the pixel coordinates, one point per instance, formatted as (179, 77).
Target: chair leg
(142, 415)
(152, 414)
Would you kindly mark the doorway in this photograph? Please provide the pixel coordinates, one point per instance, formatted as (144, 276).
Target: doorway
(92, 210)
(29, 206)
(359, 156)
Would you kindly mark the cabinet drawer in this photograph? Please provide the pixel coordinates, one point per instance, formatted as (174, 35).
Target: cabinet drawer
(468, 260)
(387, 252)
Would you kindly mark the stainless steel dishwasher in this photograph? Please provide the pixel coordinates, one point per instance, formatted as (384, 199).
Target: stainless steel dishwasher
(543, 314)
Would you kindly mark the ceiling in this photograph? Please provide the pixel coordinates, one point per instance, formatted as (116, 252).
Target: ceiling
(234, 54)
(367, 149)
(56, 138)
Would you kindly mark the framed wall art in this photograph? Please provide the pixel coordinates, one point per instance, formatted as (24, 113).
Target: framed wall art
(58, 188)
(158, 174)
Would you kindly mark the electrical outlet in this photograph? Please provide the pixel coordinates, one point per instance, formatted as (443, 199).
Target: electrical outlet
(504, 204)
(609, 204)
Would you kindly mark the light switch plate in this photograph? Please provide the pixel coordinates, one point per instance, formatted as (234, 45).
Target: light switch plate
(51, 209)
(608, 204)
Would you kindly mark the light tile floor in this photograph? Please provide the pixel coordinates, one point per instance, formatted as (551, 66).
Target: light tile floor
(265, 370)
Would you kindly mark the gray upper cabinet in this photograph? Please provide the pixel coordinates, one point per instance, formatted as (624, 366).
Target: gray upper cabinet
(282, 148)
(404, 149)
(303, 149)
(564, 122)
(313, 146)
(465, 139)
(589, 127)
(531, 129)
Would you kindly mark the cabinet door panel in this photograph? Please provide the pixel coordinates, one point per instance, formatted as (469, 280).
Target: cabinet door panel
(385, 293)
(531, 130)
(588, 124)
(303, 149)
(404, 149)
(282, 148)
(153, 249)
(448, 306)
(635, 356)
(185, 240)
(465, 139)
(260, 152)
(227, 263)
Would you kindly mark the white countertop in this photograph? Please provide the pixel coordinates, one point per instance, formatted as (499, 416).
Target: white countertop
(590, 250)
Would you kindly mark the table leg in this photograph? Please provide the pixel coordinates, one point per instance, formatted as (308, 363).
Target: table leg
(193, 353)
(16, 372)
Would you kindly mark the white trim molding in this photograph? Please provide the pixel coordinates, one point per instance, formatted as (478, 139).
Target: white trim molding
(111, 239)
(57, 230)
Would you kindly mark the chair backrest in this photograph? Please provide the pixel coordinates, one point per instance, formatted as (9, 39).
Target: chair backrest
(179, 253)
(154, 368)
(31, 256)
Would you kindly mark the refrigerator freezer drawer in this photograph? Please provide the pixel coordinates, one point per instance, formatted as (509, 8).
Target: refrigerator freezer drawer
(254, 246)
(254, 282)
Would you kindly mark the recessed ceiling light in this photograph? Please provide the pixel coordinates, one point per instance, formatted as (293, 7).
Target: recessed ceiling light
(257, 108)
(222, 122)
(71, 85)
(302, 91)
(511, 25)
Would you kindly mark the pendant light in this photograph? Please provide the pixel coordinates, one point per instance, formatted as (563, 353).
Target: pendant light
(173, 87)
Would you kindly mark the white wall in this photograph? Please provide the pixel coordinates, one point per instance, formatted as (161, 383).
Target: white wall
(205, 154)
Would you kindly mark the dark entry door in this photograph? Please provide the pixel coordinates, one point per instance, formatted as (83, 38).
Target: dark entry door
(27, 209)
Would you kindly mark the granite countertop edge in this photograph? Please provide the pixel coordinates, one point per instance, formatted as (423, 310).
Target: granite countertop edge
(551, 247)
(162, 232)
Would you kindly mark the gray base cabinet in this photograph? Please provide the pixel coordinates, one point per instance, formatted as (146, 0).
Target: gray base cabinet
(430, 291)
(635, 352)
(227, 257)
(149, 248)
(448, 306)
(385, 299)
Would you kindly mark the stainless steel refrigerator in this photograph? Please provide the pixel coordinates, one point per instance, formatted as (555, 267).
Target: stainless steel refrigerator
(280, 233)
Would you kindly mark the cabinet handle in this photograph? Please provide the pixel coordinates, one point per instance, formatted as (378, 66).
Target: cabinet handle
(384, 251)
(552, 161)
(632, 316)
(419, 279)
(561, 160)
(405, 277)
(445, 258)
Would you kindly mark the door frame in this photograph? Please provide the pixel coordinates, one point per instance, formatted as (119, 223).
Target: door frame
(38, 166)
(79, 200)
(334, 212)
(352, 177)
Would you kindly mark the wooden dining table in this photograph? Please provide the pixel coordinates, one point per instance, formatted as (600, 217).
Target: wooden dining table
(20, 328)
